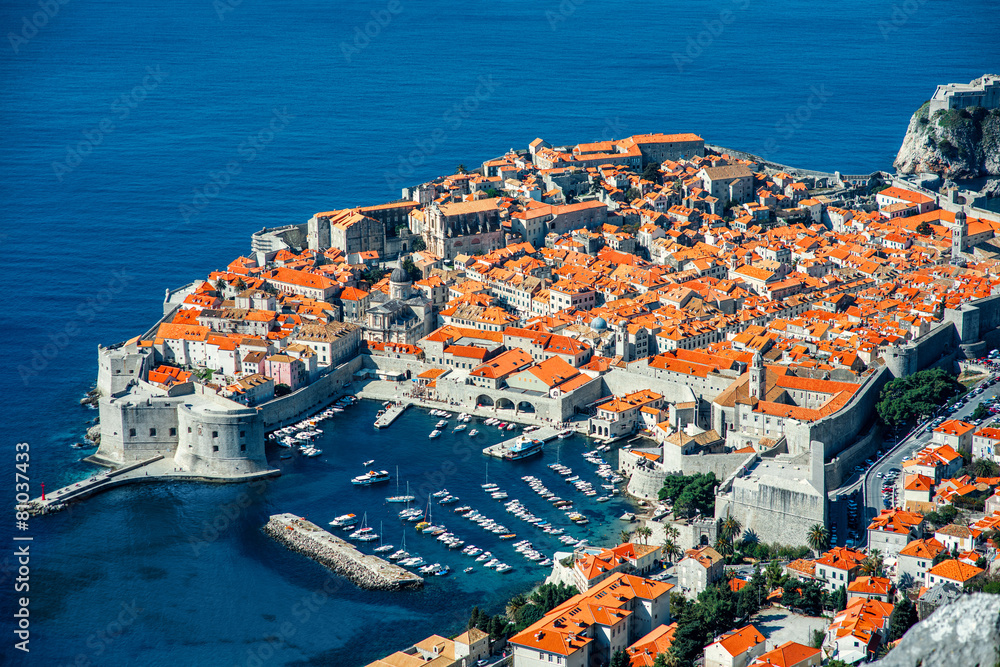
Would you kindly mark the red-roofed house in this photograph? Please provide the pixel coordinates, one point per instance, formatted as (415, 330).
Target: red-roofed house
(952, 571)
(735, 648)
(589, 627)
(790, 654)
(955, 433)
(871, 588)
(893, 529)
(986, 444)
(644, 651)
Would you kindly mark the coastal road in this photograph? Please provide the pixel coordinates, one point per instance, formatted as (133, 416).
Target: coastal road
(871, 486)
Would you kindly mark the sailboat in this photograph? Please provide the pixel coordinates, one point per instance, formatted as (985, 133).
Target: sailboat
(487, 484)
(364, 533)
(426, 523)
(381, 548)
(402, 553)
(398, 498)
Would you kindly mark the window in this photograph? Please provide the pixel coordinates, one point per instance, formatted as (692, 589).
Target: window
(215, 448)
(152, 431)
(243, 434)
(131, 433)
(189, 429)
(243, 448)
(215, 434)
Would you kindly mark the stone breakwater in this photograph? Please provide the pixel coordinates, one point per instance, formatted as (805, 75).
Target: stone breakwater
(365, 571)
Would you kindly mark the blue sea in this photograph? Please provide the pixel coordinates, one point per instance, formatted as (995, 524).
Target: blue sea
(143, 143)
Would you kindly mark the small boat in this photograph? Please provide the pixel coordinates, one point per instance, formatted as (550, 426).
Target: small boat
(368, 463)
(434, 434)
(285, 455)
(460, 427)
(473, 433)
(440, 494)
(511, 426)
(371, 477)
(562, 435)
(344, 520)
(468, 569)
(442, 424)
(312, 451)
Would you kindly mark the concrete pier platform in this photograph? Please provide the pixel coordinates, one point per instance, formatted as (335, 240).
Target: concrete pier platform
(392, 413)
(366, 571)
(545, 434)
(154, 469)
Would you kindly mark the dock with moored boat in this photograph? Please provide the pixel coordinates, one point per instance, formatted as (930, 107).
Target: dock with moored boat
(545, 434)
(391, 414)
(366, 571)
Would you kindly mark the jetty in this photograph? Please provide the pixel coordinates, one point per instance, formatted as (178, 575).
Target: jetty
(545, 434)
(365, 571)
(391, 414)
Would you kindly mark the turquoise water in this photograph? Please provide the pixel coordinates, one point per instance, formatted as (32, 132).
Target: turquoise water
(121, 122)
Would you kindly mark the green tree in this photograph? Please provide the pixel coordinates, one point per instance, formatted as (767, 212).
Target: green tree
(419, 245)
(632, 194)
(905, 399)
(513, 605)
(492, 192)
(644, 532)
(838, 599)
(690, 636)
(670, 550)
(460, 169)
(873, 565)
(981, 412)
(924, 229)
(904, 615)
(411, 269)
(652, 173)
(661, 660)
(690, 494)
(774, 575)
(281, 389)
(983, 468)
(729, 528)
(624, 536)
(619, 659)
(818, 538)
(474, 617)
(817, 638)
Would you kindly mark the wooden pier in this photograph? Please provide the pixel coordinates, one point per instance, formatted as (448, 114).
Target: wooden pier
(545, 434)
(391, 414)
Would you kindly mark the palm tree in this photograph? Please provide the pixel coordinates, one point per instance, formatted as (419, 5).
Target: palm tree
(460, 169)
(818, 538)
(729, 528)
(513, 605)
(774, 574)
(670, 550)
(672, 532)
(723, 546)
(625, 536)
(873, 565)
(644, 532)
(750, 538)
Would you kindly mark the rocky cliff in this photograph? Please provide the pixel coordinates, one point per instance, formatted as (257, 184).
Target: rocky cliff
(965, 632)
(957, 144)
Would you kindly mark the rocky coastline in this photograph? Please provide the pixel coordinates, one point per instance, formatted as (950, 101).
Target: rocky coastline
(364, 571)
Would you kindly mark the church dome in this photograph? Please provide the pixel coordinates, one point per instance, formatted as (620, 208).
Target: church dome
(599, 324)
(398, 275)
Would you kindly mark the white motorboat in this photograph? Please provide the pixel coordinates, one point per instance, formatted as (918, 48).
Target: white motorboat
(434, 434)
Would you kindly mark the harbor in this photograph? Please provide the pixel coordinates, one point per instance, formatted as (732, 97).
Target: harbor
(364, 570)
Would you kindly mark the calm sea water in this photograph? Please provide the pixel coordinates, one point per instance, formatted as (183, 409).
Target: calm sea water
(143, 144)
